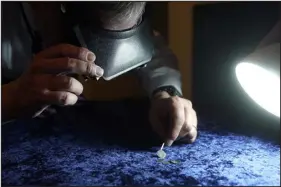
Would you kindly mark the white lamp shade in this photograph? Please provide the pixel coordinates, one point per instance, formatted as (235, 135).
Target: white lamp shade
(259, 76)
(259, 73)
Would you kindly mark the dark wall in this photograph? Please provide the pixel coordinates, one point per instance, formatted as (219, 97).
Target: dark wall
(223, 34)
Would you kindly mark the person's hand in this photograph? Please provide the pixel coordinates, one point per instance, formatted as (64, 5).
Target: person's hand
(46, 82)
(173, 118)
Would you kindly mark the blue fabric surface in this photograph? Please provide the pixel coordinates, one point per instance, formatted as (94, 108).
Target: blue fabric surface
(95, 146)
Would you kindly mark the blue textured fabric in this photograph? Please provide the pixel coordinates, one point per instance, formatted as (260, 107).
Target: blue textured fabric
(99, 146)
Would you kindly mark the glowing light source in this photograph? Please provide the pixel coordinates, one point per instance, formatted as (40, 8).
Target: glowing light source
(262, 85)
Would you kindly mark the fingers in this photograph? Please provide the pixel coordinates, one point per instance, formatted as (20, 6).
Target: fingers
(183, 121)
(57, 83)
(67, 50)
(65, 83)
(59, 97)
(71, 65)
(49, 89)
(177, 117)
(67, 58)
(189, 116)
(193, 134)
(189, 129)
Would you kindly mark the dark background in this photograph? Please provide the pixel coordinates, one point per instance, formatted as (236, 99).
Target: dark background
(158, 16)
(223, 34)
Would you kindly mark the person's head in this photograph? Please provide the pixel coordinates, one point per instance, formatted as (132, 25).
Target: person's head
(120, 15)
(95, 25)
(117, 15)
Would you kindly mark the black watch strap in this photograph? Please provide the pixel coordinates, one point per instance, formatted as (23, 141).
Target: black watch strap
(171, 90)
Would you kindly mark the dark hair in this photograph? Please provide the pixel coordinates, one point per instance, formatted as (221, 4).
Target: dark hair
(110, 13)
(122, 10)
(114, 14)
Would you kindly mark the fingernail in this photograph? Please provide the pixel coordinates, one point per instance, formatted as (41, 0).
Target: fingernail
(90, 57)
(169, 143)
(97, 78)
(99, 71)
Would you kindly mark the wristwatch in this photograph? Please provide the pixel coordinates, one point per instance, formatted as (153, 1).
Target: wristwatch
(171, 90)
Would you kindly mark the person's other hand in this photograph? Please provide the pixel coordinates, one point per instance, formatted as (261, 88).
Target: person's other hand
(173, 118)
(46, 81)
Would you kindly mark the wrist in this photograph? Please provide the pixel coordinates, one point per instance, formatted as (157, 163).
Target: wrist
(165, 92)
(161, 95)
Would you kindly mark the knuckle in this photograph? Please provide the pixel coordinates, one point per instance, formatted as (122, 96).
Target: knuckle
(188, 137)
(64, 98)
(189, 103)
(193, 133)
(82, 52)
(68, 81)
(192, 140)
(187, 128)
(175, 101)
(194, 137)
(89, 68)
(70, 63)
(177, 109)
(177, 98)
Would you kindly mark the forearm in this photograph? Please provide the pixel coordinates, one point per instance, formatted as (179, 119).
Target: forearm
(10, 108)
(162, 70)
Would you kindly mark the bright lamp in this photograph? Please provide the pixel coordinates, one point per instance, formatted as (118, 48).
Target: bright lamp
(259, 73)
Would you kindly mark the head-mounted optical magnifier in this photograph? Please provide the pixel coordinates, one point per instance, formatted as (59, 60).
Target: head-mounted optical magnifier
(117, 52)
